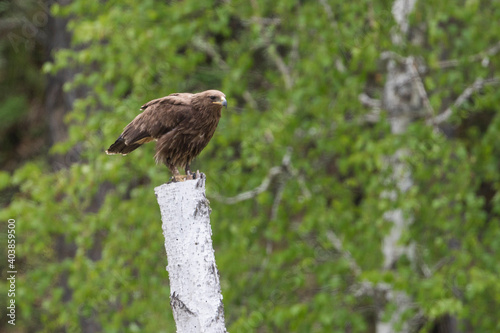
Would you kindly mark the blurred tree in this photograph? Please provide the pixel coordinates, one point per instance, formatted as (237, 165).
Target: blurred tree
(22, 43)
(305, 251)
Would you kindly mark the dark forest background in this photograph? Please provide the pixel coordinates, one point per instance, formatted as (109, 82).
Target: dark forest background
(369, 131)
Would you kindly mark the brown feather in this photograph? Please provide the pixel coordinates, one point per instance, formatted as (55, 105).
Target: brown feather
(144, 140)
(182, 124)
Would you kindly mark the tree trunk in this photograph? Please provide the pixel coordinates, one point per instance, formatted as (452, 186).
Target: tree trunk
(195, 294)
(403, 103)
(59, 102)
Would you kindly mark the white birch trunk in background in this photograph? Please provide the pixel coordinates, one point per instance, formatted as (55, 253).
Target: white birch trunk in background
(403, 102)
(195, 294)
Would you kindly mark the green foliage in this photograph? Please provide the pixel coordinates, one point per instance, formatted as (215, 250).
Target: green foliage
(91, 236)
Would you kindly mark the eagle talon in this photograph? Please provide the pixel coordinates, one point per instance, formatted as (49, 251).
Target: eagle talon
(178, 178)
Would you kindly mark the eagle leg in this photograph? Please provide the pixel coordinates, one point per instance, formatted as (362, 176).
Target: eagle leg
(189, 175)
(177, 177)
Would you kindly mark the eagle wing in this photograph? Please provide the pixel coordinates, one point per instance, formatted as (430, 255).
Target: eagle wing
(159, 116)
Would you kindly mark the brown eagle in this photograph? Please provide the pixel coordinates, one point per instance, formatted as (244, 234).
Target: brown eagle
(182, 124)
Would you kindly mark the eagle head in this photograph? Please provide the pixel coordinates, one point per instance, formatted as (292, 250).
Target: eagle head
(211, 97)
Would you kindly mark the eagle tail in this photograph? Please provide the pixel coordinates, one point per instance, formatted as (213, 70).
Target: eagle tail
(120, 147)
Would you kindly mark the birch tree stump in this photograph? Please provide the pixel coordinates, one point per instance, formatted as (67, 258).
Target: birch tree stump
(195, 294)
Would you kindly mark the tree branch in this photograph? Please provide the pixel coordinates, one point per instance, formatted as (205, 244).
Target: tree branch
(273, 172)
(337, 244)
(263, 25)
(481, 56)
(206, 47)
(417, 80)
(374, 104)
(210, 50)
(386, 55)
(282, 67)
(285, 171)
(461, 99)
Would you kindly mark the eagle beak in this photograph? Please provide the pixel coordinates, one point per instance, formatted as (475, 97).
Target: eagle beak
(222, 102)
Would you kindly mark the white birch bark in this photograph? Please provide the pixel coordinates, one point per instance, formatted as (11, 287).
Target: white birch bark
(403, 103)
(195, 294)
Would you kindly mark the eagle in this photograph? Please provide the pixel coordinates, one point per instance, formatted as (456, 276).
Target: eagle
(182, 124)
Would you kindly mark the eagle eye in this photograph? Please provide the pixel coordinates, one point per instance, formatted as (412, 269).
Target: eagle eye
(212, 98)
